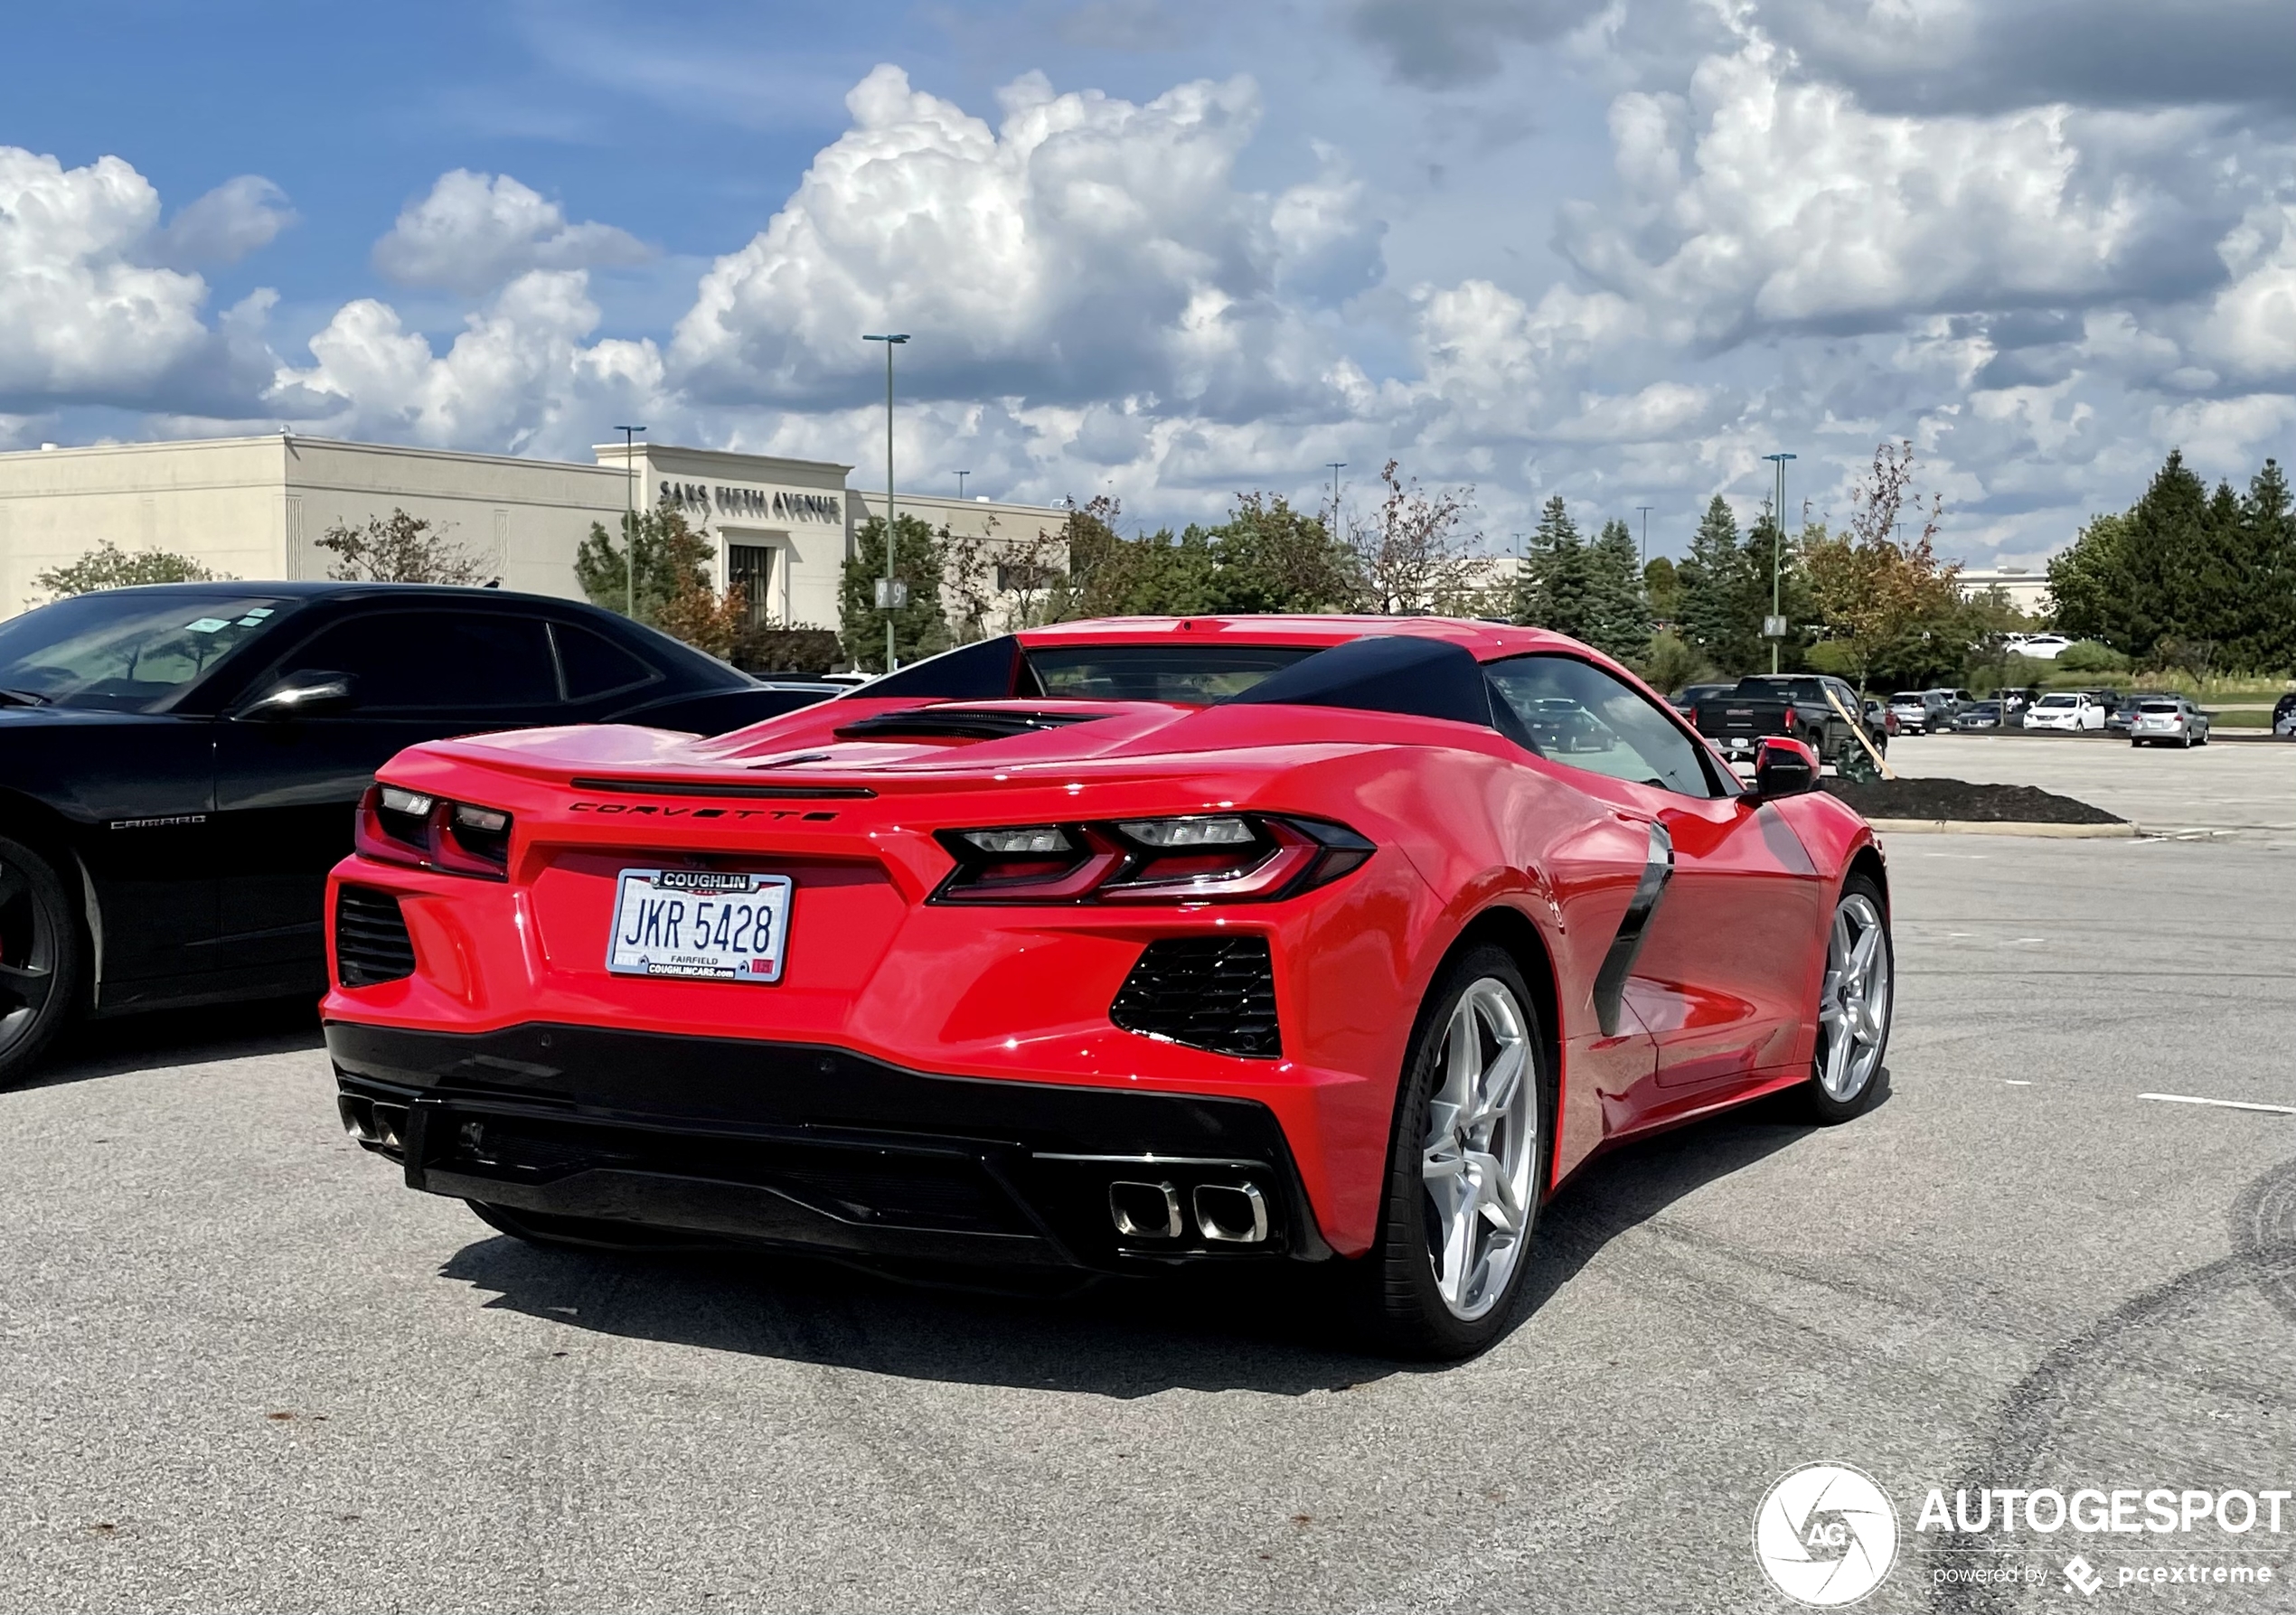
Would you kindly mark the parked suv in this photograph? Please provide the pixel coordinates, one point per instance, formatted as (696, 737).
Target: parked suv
(1919, 712)
(2284, 715)
(2169, 720)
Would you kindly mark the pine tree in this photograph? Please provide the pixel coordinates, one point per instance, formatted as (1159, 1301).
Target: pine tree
(1712, 591)
(1552, 589)
(1618, 617)
(1766, 549)
(2260, 630)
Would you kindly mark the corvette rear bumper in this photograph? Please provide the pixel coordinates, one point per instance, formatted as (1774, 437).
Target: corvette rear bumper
(715, 1140)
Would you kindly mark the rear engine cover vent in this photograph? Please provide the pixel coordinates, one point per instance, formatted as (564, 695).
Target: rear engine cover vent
(958, 723)
(370, 940)
(1210, 992)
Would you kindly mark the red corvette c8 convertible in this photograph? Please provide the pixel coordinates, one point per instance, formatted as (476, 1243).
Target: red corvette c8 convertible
(1107, 946)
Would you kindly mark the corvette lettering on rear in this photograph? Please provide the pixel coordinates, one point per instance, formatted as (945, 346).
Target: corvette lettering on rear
(664, 811)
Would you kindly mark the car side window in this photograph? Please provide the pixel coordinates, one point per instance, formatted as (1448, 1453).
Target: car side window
(594, 665)
(434, 659)
(1581, 717)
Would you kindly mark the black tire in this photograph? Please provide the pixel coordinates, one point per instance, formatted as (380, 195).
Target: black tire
(1826, 1108)
(43, 957)
(1396, 1295)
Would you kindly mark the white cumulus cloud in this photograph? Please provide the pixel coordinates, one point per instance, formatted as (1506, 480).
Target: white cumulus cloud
(82, 317)
(475, 231)
(521, 377)
(1086, 246)
(238, 217)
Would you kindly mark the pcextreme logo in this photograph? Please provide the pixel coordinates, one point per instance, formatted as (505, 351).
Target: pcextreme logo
(1825, 1534)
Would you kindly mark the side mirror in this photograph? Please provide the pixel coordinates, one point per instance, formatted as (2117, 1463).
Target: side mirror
(1783, 768)
(299, 695)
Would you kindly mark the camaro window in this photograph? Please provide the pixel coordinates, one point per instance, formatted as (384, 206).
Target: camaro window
(124, 653)
(1191, 675)
(436, 659)
(594, 666)
(1581, 717)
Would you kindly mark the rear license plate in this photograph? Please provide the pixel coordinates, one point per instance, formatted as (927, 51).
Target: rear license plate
(703, 925)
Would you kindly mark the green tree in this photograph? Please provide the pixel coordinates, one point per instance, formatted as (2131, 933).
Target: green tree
(1713, 591)
(109, 567)
(673, 557)
(1884, 602)
(1752, 598)
(1662, 590)
(2130, 580)
(2258, 629)
(919, 630)
(2091, 656)
(1618, 617)
(398, 549)
(1669, 662)
(1552, 591)
(1269, 556)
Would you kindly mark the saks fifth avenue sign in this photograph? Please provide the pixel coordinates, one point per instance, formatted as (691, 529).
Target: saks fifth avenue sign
(724, 501)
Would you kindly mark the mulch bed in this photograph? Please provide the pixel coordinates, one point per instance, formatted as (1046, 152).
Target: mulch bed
(1958, 799)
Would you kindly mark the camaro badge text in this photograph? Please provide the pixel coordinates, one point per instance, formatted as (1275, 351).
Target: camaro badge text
(159, 823)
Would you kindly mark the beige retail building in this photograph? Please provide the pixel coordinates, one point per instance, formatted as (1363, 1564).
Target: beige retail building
(254, 508)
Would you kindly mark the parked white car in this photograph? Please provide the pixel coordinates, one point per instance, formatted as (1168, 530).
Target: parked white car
(2063, 710)
(2041, 647)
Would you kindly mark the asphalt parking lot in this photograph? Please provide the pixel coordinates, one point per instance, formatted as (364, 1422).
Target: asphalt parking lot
(2244, 787)
(241, 1368)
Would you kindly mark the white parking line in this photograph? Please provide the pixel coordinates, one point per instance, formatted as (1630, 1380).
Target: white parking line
(2229, 1104)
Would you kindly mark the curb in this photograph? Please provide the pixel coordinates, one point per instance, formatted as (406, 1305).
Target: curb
(1992, 827)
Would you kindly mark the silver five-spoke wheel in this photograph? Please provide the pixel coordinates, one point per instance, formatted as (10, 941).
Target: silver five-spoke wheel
(1477, 1151)
(1853, 1004)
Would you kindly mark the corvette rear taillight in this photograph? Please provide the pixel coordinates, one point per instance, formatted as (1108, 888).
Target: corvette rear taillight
(400, 826)
(1228, 858)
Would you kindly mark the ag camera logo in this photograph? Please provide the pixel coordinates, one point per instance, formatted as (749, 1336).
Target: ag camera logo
(1825, 1534)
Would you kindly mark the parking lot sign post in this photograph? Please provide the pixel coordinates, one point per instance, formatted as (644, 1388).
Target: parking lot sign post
(1774, 627)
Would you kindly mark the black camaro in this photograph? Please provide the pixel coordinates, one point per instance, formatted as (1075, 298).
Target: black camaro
(179, 766)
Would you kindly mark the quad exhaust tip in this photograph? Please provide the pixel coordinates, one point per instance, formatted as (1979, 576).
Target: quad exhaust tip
(1231, 1213)
(1145, 1210)
(1225, 1212)
(382, 1126)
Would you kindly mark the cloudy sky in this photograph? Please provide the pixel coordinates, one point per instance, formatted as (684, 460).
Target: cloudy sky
(1169, 250)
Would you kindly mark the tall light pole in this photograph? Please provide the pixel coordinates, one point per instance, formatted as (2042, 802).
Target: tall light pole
(960, 483)
(1646, 532)
(630, 507)
(1776, 623)
(890, 342)
(1335, 466)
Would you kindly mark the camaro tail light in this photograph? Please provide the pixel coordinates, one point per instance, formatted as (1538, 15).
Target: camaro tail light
(400, 826)
(1200, 858)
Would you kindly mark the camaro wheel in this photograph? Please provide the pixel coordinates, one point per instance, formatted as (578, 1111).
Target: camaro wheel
(1466, 1166)
(40, 957)
(1854, 1003)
